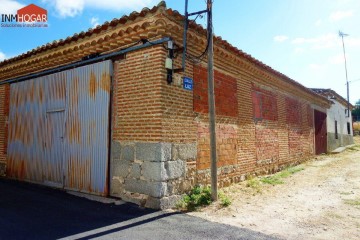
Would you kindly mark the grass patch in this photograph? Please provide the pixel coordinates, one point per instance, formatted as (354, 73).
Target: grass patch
(346, 193)
(334, 215)
(354, 148)
(353, 202)
(224, 200)
(199, 197)
(273, 180)
(254, 183)
(276, 179)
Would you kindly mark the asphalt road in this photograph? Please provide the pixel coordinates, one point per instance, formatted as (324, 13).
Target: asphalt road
(29, 211)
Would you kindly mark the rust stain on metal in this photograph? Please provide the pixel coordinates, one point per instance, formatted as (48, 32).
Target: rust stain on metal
(76, 100)
(92, 85)
(74, 130)
(105, 81)
(41, 93)
(31, 92)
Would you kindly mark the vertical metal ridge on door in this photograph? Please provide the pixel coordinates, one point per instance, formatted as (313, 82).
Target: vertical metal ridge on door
(58, 129)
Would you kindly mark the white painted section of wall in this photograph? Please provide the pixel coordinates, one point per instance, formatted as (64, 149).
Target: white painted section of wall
(337, 113)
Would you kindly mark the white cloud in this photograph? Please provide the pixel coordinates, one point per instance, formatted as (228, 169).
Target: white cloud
(280, 38)
(67, 8)
(71, 8)
(2, 56)
(94, 21)
(324, 41)
(337, 16)
(10, 6)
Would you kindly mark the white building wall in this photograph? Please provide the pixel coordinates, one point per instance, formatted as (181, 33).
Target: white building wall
(337, 113)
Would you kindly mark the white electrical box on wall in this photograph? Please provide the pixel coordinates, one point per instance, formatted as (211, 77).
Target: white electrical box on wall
(169, 63)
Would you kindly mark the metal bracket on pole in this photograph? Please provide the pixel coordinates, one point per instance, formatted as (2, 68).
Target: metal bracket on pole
(186, 26)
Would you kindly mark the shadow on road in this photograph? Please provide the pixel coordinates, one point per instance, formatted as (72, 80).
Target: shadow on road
(32, 211)
(29, 211)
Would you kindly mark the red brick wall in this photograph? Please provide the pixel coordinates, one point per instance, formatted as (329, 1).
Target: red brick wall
(272, 129)
(259, 128)
(4, 113)
(293, 111)
(225, 92)
(137, 86)
(264, 104)
(267, 143)
(226, 137)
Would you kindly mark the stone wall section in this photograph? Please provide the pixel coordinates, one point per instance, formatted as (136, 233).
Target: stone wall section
(151, 174)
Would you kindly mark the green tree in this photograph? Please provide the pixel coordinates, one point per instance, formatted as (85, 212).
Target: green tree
(356, 111)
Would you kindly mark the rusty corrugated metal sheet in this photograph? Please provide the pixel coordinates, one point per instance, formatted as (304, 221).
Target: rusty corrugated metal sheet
(26, 131)
(87, 122)
(58, 129)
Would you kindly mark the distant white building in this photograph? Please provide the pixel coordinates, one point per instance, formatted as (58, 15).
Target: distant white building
(338, 120)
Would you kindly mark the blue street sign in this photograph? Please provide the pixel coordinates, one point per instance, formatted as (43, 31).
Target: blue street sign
(188, 83)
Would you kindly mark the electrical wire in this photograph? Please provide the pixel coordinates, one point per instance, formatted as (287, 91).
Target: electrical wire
(198, 59)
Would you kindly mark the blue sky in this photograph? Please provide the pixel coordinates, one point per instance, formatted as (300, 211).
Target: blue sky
(296, 37)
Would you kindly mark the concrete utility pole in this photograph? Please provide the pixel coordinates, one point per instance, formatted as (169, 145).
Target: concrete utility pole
(212, 120)
(342, 35)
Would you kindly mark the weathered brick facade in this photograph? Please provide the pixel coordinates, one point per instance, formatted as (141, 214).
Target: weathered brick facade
(159, 131)
(4, 113)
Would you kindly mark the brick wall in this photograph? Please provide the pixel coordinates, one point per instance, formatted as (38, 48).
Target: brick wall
(268, 130)
(137, 109)
(225, 93)
(4, 113)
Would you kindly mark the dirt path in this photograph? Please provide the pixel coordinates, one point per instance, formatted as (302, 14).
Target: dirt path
(320, 202)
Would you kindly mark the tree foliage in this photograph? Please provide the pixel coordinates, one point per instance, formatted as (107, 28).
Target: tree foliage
(356, 111)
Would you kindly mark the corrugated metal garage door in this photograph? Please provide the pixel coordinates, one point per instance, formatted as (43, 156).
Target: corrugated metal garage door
(58, 129)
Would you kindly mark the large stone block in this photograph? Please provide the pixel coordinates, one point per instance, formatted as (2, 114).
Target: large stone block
(155, 152)
(128, 153)
(154, 171)
(115, 150)
(116, 187)
(120, 168)
(154, 189)
(175, 169)
(187, 151)
(163, 203)
(135, 171)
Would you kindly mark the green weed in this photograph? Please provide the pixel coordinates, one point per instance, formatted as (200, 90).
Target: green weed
(353, 202)
(276, 179)
(224, 200)
(199, 197)
(254, 183)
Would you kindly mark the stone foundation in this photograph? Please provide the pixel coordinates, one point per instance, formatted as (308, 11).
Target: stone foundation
(150, 174)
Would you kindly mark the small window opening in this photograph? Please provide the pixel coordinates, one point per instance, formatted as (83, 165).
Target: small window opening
(336, 130)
